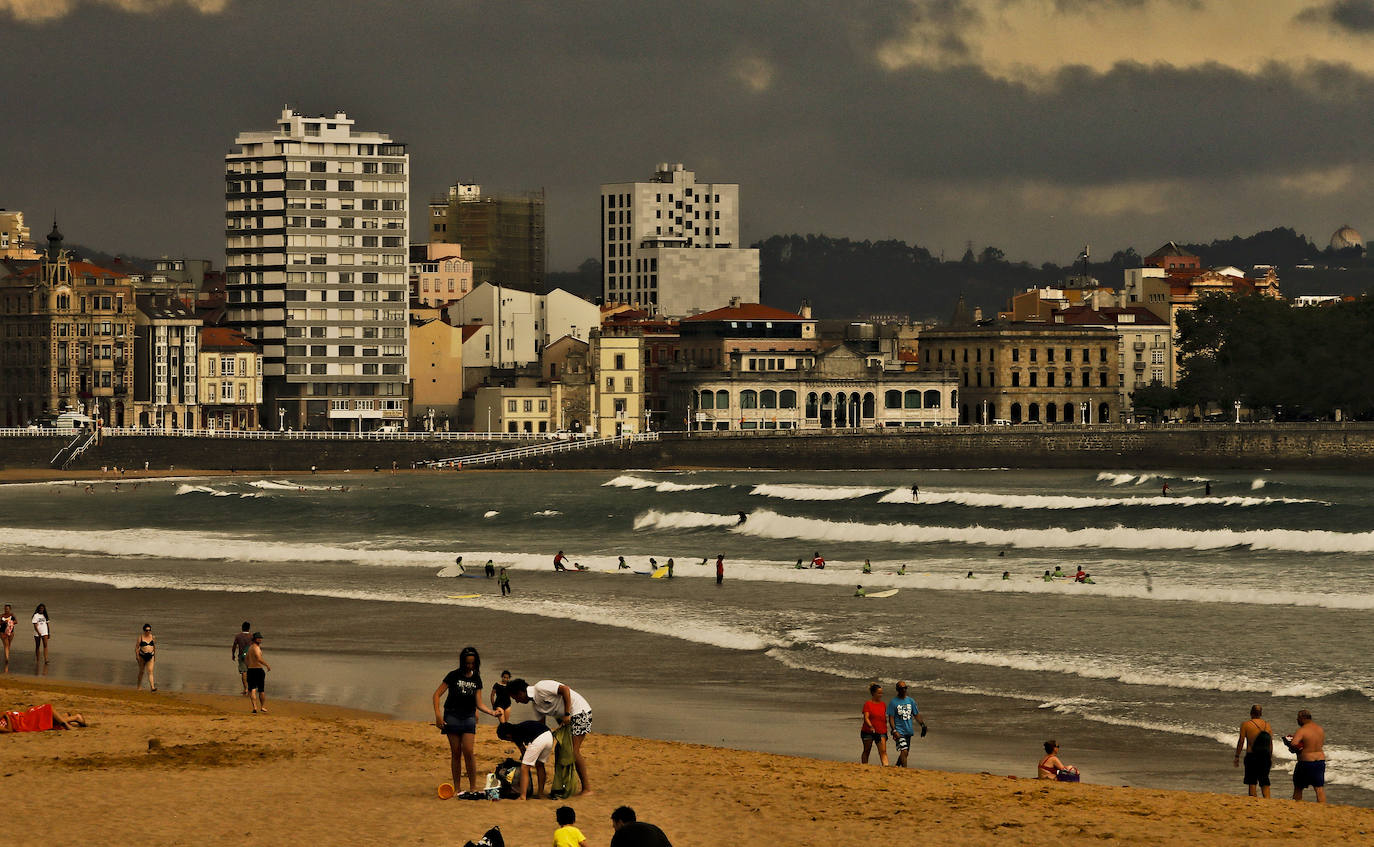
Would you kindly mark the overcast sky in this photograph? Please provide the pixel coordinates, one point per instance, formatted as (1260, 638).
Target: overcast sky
(1033, 125)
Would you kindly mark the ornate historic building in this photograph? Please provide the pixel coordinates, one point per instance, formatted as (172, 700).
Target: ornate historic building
(66, 335)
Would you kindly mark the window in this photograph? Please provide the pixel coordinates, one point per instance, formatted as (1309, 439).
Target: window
(529, 406)
(892, 399)
(707, 400)
(932, 398)
(787, 399)
(629, 384)
(1049, 380)
(1049, 354)
(748, 399)
(911, 400)
(768, 399)
(620, 361)
(1015, 379)
(1016, 354)
(510, 406)
(610, 383)
(1034, 379)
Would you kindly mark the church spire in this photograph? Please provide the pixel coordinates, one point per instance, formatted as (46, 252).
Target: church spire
(54, 241)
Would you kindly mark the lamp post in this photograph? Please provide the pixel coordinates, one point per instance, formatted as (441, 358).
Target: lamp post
(1237, 405)
(1084, 406)
(281, 419)
(488, 417)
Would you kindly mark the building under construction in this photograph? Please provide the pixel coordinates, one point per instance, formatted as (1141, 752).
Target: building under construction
(501, 234)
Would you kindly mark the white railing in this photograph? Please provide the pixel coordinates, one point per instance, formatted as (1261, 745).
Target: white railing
(539, 450)
(310, 435)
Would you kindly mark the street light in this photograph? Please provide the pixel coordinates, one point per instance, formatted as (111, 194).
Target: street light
(1237, 405)
(1084, 406)
(281, 418)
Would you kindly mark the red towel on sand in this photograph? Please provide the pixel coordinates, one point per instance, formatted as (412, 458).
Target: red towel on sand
(37, 719)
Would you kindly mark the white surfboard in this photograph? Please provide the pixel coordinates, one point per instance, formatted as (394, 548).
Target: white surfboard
(887, 593)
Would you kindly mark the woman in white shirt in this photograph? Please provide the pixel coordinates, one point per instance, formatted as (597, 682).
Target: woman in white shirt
(40, 633)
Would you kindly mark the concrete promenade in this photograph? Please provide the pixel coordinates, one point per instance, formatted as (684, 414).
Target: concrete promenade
(1316, 446)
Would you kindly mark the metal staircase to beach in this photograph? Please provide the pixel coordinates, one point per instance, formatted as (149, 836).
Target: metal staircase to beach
(539, 450)
(83, 441)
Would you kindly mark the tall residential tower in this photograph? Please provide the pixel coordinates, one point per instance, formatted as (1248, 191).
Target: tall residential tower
(671, 244)
(317, 238)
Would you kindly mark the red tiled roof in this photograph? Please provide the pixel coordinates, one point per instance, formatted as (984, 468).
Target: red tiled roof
(469, 330)
(79, 269)
(224, 338)
(746, 312)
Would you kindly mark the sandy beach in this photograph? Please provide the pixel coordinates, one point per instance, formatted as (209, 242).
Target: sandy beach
(310, 773)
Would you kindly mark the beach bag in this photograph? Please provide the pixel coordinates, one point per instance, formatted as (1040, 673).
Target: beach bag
(1066, 776)
(508, 778)
(1263, 745)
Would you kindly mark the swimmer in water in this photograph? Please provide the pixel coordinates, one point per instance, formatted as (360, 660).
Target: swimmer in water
(859, 591)
(742, 518)
(868, 566)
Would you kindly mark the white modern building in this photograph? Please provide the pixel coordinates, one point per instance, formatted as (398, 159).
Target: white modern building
(316, 232)
(521, 322)
(671, 245)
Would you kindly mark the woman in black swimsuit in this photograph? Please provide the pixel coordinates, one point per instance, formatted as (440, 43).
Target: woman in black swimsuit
(145, 654)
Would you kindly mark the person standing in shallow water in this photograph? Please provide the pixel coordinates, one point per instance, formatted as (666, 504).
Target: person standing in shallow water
(145, 654)
(40, 633)
(720, 569)
(503, 579)
(1256, 743)
(7, 623)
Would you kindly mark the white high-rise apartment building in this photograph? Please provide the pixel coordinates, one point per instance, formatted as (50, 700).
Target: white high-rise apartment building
(671, 245)
(317, 235)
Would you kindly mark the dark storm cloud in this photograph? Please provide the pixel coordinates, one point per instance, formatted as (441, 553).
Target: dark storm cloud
(1355, 16)
(125, 119)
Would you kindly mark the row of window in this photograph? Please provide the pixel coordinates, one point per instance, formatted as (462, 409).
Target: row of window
(1086, 379)
(325, 350)
(324, 369)
(365, 405)
(527, 405)
(1085, 356)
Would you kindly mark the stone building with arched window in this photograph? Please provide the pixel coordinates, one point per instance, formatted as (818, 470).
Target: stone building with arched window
(837, 388)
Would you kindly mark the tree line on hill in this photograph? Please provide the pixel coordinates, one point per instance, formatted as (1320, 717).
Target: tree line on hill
(1279, 361)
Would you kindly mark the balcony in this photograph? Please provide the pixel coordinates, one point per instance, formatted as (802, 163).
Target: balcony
(1140, 366)
(1139, 346)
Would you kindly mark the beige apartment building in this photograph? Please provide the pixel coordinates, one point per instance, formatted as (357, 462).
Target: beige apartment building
(436, 374)
(1028, 372)
(527, 407)
(617, 384)
(230, 379)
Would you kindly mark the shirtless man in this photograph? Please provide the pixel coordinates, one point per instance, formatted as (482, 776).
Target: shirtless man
(1308, 744)
(1259, 758)
(257, 675)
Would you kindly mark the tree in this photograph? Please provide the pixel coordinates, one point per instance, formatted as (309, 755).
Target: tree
(1154, 399)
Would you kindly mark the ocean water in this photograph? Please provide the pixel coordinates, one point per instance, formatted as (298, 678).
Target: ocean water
(1259, 593)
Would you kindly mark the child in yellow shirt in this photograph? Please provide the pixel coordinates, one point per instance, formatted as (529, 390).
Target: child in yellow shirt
(567, 835)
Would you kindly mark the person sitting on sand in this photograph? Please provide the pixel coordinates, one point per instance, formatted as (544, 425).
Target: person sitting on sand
(901, 571)
(868, 566)
(621, 566)
(39, 719)
(1051, 767)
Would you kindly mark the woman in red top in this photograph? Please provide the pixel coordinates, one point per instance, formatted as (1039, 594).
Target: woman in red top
(874, 728)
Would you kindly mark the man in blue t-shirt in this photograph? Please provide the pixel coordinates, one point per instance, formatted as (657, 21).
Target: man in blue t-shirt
(901, 711)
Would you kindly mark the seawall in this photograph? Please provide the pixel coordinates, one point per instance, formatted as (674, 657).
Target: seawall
(1324, 446)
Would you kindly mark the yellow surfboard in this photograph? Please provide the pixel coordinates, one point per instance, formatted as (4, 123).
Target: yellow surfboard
(660, 573)
(462, 596)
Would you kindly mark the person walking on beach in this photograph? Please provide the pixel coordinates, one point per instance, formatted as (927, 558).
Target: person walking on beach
(670, 568)
(238, 653)
(720, 569)
(1256, 742)
(873, 730)
(7, 622)
(901, 711)
(628, 831)
(40, 633)
(551, 698)
(1308, 744)
(503, 579)
(458, 717)
(257, 675)
(145, 654)
(500, 698)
